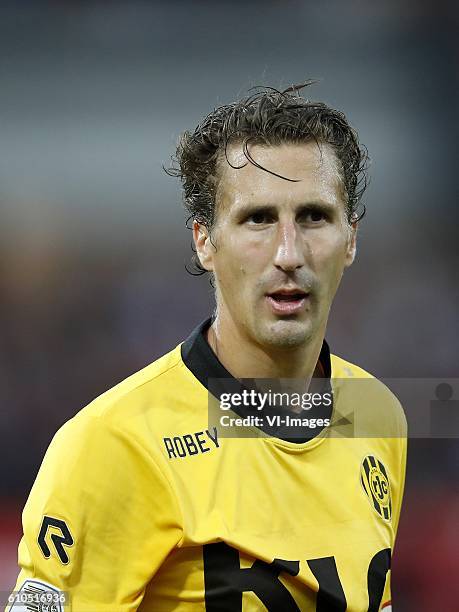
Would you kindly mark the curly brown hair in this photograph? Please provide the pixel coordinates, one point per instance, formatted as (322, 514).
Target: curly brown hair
(268, 117)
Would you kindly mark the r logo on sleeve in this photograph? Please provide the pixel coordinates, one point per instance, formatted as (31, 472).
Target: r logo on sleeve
(60, 536)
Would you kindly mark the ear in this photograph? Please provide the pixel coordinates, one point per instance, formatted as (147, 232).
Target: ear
(351, 248)
(203, 245)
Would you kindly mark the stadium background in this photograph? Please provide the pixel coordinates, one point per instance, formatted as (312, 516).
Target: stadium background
(92, 241)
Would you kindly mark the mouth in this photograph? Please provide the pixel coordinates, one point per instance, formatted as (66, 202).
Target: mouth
(287, 302)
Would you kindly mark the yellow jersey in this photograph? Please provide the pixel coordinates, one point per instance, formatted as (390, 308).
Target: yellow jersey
(141, 504)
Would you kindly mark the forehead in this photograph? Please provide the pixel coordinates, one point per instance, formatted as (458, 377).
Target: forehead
(314, 168)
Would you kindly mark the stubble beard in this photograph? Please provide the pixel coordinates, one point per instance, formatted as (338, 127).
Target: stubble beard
(285, 334)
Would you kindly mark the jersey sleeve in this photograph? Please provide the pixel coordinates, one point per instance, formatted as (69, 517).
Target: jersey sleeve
(100, 519)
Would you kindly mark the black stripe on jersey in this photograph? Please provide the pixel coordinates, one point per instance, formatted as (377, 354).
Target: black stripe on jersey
(372, 461)
(365, 485)
(383, 470)
(366, 464)
(200, 359)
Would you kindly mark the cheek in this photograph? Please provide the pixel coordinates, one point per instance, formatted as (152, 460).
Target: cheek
(230, 268)
(238, 259)
(331, 258)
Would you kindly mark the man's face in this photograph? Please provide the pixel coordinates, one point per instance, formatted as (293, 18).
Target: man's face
(278, 248)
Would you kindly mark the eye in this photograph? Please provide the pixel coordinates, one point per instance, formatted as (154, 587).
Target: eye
(259, 218)
(313, 215)
(316, 215)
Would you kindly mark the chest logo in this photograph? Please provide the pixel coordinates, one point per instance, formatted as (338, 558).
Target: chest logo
(375, 483)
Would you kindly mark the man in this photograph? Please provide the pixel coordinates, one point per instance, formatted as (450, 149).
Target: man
(142, 503)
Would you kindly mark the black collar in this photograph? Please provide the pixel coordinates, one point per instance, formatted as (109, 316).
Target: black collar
(200, 359)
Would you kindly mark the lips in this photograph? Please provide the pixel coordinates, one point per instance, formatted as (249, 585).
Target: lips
(287, 297)
(287, 301)
(287, 294)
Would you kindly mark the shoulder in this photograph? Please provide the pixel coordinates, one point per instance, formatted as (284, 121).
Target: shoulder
(149, 379)
(139, 409)
(113, 437)
(374, 403)
(152, 394)
(345, 369)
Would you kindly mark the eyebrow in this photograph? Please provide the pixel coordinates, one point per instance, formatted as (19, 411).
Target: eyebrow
(271, 209)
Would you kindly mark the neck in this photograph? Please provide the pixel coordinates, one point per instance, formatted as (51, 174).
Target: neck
(245, 359)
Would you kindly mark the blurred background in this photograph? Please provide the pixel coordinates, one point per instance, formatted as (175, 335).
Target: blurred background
(93, 244)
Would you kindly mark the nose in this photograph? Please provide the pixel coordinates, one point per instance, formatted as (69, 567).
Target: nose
(289, 251)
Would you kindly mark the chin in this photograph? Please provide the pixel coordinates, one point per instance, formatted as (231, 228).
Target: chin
(288, 334)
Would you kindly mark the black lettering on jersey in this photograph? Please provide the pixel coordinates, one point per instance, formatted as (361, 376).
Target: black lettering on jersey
(179, 446)
(59, 541)
(376, 579)
(201, 442)
(330, 597)
(170, 448)
(191, 444)
(213, 436)
(225, 581)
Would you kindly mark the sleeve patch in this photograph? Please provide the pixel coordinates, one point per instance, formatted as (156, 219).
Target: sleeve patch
(62, 538)
(37, 596)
